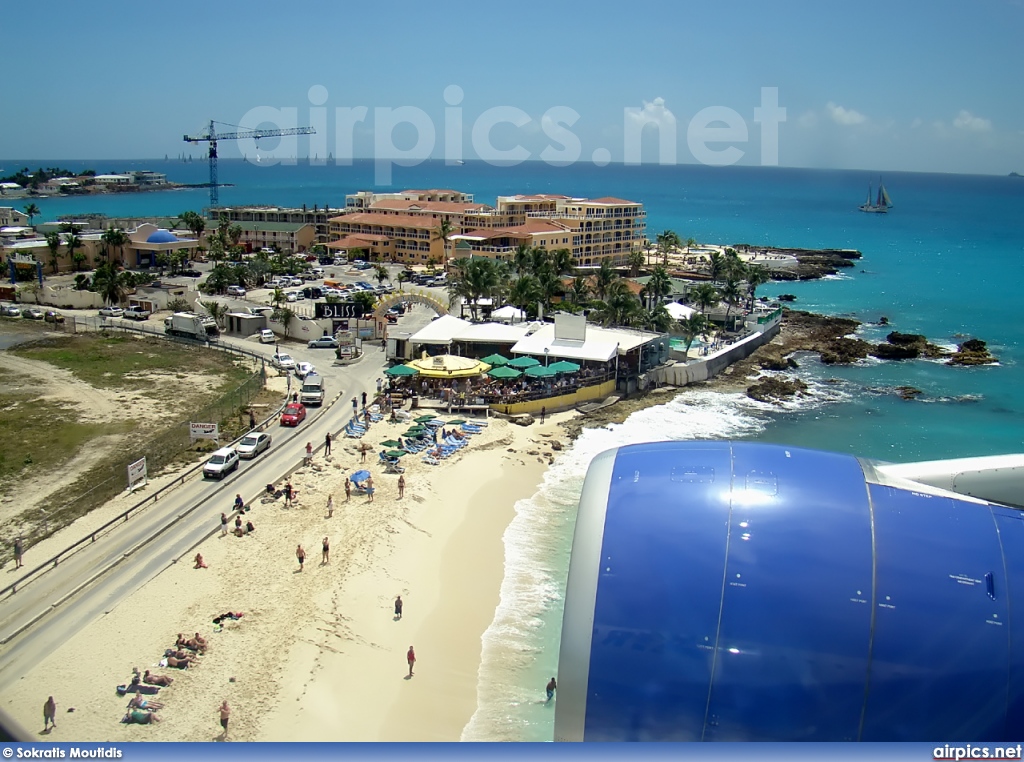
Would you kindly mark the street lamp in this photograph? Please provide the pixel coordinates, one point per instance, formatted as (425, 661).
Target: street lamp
(546, 350)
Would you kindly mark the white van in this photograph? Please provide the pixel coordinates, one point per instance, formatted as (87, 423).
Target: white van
(312, 392)
(267, 336)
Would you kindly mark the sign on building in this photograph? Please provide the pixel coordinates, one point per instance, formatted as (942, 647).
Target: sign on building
(204, 431)
(339, 310)
(136, 474)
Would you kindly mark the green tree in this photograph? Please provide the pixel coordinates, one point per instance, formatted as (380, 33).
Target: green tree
(522, 260)
(526, 293)
(668, 241)
(705, 295)
(32, 210)
(216, 310)
(716, 266)
(113, 238)
(382, 274)
(218, 279)
(660, 284)
(277, 298)
(732, 295)
(757, 275)
(658, 319)
(81, 282)
(366, 299)
(193, 222)
(691, 327)
(580, 290)
(72, 242)
(443, 233)
(53, 242)
(110, 284)
(603, 279)
(235, 234)
(619, 307)
(284, 316)
(636, 261)
(562, 262)
(474, 279)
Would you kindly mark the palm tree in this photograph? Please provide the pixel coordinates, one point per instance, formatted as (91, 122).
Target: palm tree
(382, 274)
(690, 243)
(475, 279)
(72, 242)
(278, 297)
(636, 261)
(235, 234)
(113, 238)
(731, 295)
(32, 211)
(658, 319)
(442, 233)
(603, 279)
(522, 260)
(716, 266)
(53, 242)
(562, 262)
(660, 284)
(691, 327)
(217, 311)
(111, 285)
(580, 290)
(620, 306)
(648, 246)
(756, 276)
(667, 241)
(284, 316)
(194, 222)
(525, 293)
(705, 295)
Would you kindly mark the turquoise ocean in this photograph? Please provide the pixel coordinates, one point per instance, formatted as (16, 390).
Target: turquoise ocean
(947, 262)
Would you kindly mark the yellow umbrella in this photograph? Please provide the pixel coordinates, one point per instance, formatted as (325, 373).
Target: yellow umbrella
(449, 366)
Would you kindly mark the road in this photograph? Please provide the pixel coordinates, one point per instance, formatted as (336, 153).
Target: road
(50, 610)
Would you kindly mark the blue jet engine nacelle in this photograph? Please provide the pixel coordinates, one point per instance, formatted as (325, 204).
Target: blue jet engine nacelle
(735, 591)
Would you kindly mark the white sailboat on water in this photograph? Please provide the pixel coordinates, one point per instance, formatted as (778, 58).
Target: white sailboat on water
(882, 202)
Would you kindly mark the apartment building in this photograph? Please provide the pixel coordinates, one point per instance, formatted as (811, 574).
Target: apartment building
(318, 217)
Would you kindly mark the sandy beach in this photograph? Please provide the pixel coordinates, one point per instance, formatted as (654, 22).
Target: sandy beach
(318, 654)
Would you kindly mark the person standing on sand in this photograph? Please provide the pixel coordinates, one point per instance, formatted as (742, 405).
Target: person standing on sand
(225, 715)
(401, 486)
(301, 555)
(543, 412)
(327, 444)
(19, 551)
(49, 714)
(551, 688)
(330, 506)
(309, 453)
(348, 490)
(369, 488)
(410, 657)
(364, 399)
(327, 552)
(355, 406)
(223, 525)
(398, 607)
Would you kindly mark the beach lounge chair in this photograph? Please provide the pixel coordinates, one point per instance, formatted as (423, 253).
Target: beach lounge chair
(430, 461)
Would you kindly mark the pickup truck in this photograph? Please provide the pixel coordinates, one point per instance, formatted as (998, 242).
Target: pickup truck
(137, 313)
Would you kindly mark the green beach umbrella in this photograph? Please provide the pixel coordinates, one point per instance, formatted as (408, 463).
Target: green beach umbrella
(414, 432)
(401, 370)
(456, 422)
(424, 418)
(523, 362)
(502, 371)
(564, 366)
(495, 359)
(396, 453)
(540, 371)
(390, 443)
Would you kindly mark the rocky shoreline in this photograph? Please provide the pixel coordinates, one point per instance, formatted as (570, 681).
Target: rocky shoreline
(800, 331)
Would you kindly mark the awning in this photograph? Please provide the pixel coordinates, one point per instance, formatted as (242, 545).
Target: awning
(495, 360)
(449, 366)
(540, 371)
(503, 371)
(400, 370)
(523, 362)
(564, 366)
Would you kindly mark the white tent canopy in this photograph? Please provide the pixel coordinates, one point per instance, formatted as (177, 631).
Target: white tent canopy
(440, 331)
(496, 333)
(679, 311)
(508, 313)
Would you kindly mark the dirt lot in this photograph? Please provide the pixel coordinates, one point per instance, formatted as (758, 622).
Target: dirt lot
(71, 404)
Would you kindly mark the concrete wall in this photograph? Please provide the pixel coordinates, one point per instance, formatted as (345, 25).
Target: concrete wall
(681, 374)
(301, 330)
(562, 402)
(68, 298)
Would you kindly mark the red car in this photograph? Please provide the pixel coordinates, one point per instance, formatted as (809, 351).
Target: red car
(293, 415)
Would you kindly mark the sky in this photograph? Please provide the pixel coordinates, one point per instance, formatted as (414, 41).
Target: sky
(896, 85)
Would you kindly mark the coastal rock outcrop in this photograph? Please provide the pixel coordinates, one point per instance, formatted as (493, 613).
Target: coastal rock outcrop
(844, 351)
(908, 392)
(775, 389)
(778, 363)
(907, 346)
(972, 352)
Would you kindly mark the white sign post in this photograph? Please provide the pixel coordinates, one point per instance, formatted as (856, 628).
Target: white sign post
(204, 431)
(136, 474)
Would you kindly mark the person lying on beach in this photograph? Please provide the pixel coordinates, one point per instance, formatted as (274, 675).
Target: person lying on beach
(230, 615)
(200, 563)
(201, 642)
(151, 679)
(189, 643)
(180, 655)
(137, 717)
(177, 663)
(137, 702)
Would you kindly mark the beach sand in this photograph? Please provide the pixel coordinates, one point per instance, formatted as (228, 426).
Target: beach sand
(318, 654)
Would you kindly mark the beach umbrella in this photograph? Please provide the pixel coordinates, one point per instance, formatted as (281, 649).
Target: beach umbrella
(495, 359)
(418, 431)
(400, 370)
(523, 362)
(424, 419)
(360, 476)
(390, 443)
(456, 422)
(396, 453)
(564, 366)
(540, 371)
(503, 371)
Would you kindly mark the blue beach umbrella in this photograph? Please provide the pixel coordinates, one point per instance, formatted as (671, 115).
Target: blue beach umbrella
(360, 476)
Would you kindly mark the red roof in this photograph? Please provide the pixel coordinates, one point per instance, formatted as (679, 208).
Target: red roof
(431, 206)
(389, 220)
(612, 200)
(357, 240)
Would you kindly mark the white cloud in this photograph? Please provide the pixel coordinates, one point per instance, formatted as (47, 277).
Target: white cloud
(808, 119)
(965, 120)
(844, 116)
(916, 123)
(653, 111)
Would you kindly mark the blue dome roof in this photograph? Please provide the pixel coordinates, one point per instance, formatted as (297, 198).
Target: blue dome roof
(162, 236)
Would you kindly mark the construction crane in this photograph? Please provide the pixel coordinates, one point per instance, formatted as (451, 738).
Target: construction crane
(212, 137)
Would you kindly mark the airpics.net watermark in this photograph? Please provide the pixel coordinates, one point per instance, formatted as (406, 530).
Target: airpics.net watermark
(706, 133)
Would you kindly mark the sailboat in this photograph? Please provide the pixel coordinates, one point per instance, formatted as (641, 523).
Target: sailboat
(882, 203)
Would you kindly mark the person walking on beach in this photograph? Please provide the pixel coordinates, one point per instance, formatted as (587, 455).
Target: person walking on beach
(364, 399)
(401, 486)
(301, 555)
(369, 488)
(225, 715)
(223, 525)
(327, 444)
(410, 657)
(355, 406)
(19, 551)
(288, 493)
(551, 688)
(309, 453)
(543, 412)
(362, 452)
(49, 714)
(348, 490)
(330, 506)
(398, 608)
(327, 552)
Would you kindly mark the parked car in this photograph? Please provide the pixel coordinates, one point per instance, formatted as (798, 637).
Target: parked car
(32, 313)
(191, 274)
(282, 362)
(324, 342)
(111, 312)
(252, 445)
(304, 369)
(295, 281)
(52, 316)
(313, 292)
(137, 313)
(267, 336)
(294, 414)
(338, 261)
(221, 463)
(260, 310)
(235, 291)
(391, 318)
(317, 272)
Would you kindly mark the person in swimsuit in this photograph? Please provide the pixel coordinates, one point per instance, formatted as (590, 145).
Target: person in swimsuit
(551, 688)
(410, 657)
(301, 555)
(398, 607)
(327, 552)
(225, 715)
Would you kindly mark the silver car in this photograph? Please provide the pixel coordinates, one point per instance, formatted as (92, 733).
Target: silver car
(252, 445)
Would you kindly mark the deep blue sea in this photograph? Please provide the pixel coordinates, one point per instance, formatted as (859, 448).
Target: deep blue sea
(947, 262)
